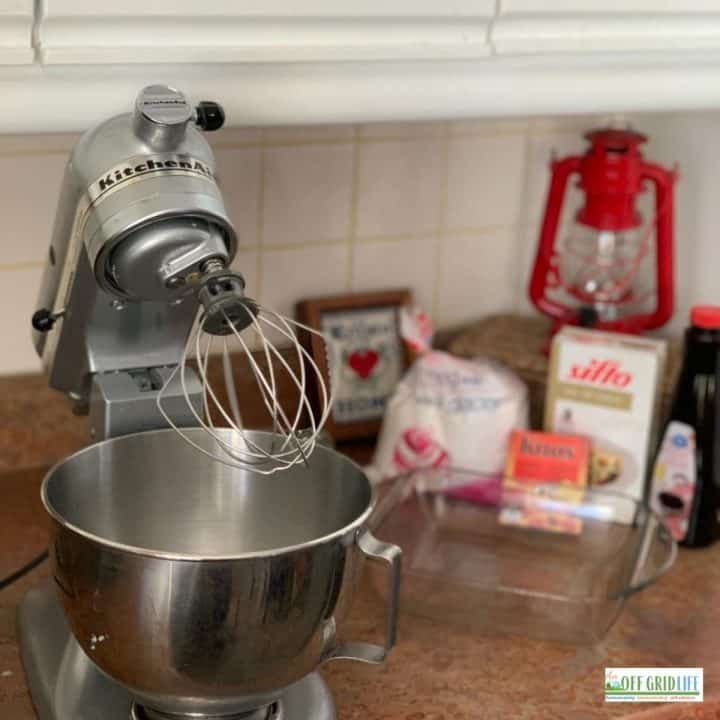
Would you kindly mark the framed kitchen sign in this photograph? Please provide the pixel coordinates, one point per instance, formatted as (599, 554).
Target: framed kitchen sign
(368, 351)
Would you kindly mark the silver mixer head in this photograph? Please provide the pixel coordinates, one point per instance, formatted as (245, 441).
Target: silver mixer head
(161, 260)
(142, 248)
(139, 221)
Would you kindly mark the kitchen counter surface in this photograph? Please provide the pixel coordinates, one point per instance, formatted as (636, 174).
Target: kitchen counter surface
(437, 672)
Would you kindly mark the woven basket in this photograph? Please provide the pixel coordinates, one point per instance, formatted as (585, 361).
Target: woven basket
(521, 342)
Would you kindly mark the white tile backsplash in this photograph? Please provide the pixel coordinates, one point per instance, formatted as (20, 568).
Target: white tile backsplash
(449, 209)
(402, 131)
(485, 180)
(37, 144)
(307, 193)
(574, 123)
(400, 185)
(18, 292)
(29, 198)
(247, 263)
(239, 170)
(486, 126)
(689, 140)
(478, 275)
(390, 264)
(308, 133)
(288, 275)
(232, 137)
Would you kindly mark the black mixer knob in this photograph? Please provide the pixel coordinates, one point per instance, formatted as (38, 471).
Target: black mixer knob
(209, 116)
(43, 320)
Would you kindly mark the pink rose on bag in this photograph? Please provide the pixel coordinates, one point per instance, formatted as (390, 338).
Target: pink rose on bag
(416, 448)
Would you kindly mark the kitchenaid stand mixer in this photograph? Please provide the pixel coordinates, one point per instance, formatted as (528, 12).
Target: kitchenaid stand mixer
(141, 242)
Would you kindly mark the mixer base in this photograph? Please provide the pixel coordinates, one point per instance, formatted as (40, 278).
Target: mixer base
(65, 685)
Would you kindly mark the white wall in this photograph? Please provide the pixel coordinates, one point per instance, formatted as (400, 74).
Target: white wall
(450, 209)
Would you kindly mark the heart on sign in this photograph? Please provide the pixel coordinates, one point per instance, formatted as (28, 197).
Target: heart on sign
(363, 362)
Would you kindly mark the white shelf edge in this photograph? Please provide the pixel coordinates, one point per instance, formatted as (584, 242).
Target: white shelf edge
(610, 32)
(16, 55)
(72, 98)
(271, 54)
(16, 37)
(198, 39)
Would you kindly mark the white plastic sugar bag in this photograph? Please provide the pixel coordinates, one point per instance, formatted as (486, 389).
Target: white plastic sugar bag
(449, 412)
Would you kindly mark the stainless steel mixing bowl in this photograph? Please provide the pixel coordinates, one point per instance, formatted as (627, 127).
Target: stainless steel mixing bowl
(206, 589)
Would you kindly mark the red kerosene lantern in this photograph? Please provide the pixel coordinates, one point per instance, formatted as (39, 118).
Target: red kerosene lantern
(590, 277)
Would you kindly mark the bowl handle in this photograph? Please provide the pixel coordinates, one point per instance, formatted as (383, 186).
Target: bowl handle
(646, 572)
(374, 549)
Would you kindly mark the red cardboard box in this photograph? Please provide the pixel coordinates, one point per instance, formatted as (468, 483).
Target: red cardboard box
(535, 459)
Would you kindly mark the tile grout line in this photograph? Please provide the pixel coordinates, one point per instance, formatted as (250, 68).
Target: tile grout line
(328, 242)
(450, 230)
(478, 229)
(442, 225)
(33, 152)
(382, 239)
(23, 265)
(522, 227)
(354, 194)
(256, 144)
(261, 247)
(368, 140)
(570, 129)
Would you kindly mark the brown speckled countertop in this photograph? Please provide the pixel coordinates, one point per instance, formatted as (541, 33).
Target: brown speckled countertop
(437, 672)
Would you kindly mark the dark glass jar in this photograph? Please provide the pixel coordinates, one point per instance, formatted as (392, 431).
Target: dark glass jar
(688, 494)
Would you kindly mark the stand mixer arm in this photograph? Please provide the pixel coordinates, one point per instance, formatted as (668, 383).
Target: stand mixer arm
(138, 289)
(141, 239)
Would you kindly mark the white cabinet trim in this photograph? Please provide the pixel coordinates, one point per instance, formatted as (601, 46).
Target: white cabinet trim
(521, 34)
(72, 98)
(16, 27)
(361, 61)
(138, 31)
(211, 39)
(601, 7)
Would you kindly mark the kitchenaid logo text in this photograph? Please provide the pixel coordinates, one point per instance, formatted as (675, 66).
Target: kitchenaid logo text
(607, 373)
(161, 101)
(176, 164)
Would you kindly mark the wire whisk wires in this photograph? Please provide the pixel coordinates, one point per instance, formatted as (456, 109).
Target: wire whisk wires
(292, 444)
